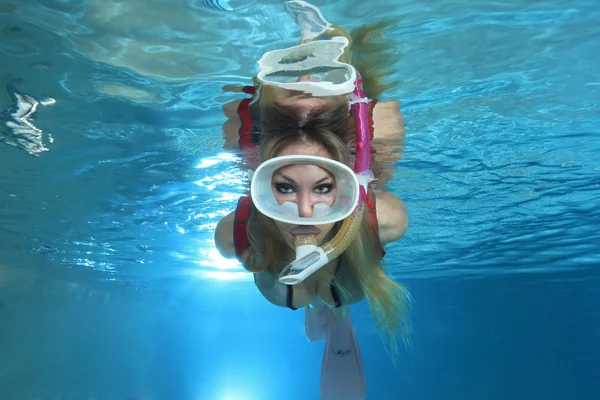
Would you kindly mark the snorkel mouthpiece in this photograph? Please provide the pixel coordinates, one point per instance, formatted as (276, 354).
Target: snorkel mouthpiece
(307, 239)
(310, 258)
(304, 244)
(307, 254)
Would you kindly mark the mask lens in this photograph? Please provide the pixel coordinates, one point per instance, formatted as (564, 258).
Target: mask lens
(313, 189)
(304, 190)
(323, 74)
(319, 60)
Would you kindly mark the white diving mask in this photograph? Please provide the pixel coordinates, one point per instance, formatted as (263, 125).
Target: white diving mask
(311, 68)
(263, 191)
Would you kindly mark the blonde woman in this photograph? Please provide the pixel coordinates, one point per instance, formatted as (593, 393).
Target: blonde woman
(292, 124)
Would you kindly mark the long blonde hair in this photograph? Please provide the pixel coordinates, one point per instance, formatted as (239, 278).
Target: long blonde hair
(282, 127)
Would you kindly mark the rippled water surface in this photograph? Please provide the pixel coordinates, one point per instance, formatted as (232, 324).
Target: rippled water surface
(110, 286)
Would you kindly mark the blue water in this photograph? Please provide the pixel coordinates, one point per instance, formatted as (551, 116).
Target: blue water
(110, 287)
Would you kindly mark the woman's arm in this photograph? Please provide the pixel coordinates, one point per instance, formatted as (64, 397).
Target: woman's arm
(232, 126)
(388, 121)
(224, 236)
(388, 140)
(392, 217)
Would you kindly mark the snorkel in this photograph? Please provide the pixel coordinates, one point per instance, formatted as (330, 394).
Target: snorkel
(310, 257)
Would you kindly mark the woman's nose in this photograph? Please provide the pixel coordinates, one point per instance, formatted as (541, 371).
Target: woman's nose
(303, 78)
(305, 206)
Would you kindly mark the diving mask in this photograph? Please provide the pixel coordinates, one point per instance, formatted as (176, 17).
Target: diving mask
(272, 200)
(286, 68)
(310, 67)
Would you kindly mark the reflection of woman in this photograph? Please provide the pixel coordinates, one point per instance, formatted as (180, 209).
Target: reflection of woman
(373, 59)
(284, 122)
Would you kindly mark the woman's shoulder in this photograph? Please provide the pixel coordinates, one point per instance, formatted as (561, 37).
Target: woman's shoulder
(392, 216)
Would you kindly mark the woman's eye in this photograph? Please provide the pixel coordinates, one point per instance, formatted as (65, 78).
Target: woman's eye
(284, 188)
(323, 189)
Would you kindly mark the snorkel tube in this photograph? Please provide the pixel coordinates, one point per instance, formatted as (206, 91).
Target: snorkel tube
(310, 257)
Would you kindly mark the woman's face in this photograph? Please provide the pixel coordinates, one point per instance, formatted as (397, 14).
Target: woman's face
(304, 185)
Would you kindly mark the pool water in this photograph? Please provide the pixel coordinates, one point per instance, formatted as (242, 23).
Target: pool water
(110, 285)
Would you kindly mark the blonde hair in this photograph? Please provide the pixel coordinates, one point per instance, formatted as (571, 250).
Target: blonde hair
(282, 127)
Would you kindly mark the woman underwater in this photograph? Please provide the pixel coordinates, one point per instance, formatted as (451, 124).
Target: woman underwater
(308, 133)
